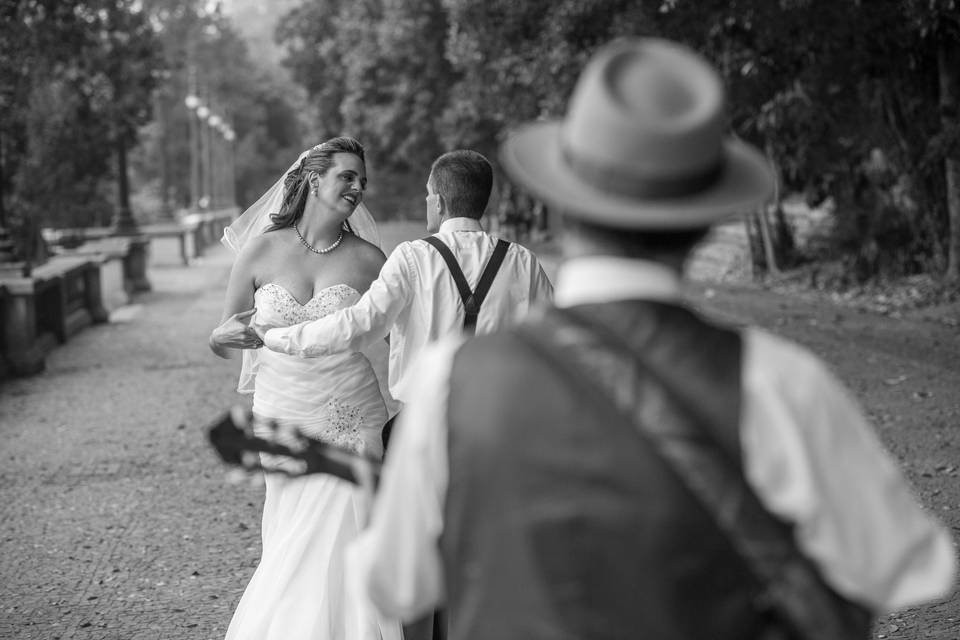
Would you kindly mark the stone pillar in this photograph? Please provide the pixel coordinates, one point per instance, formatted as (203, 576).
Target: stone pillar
(93, 292)
(135, 263)
(25, 349)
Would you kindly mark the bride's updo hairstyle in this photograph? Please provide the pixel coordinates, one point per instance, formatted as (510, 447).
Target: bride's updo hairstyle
(296, 185)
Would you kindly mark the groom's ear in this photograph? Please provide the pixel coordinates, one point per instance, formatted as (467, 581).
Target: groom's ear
(441, 204)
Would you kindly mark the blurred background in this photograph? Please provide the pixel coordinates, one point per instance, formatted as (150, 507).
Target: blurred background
(117, 113)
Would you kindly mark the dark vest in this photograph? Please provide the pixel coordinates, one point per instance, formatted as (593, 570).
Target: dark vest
(560, 522)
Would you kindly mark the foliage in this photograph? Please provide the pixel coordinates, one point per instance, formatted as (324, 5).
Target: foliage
(519, 60)
(206, 56)
(310, 34)
(392, 102)
(375, 70)
(77, 77)
(843, 96)
(856, 102)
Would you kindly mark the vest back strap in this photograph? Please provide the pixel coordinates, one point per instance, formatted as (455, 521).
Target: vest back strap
(673, 424)
(471, 299)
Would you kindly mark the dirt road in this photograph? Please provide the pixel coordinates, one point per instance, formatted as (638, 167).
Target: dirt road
(906, 373)
(116, 521)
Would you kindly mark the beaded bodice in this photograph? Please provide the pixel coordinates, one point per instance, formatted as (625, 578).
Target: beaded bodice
(284, 304)
(334, 399)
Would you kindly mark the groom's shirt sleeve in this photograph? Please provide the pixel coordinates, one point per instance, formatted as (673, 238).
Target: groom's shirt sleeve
(357, 326)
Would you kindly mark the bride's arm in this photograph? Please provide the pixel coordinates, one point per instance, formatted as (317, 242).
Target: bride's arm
(234, 331)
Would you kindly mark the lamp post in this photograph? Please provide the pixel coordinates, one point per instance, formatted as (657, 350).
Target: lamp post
(216, 167)
(192, 103)
(229, 136)
(203, 112)
(212, 170)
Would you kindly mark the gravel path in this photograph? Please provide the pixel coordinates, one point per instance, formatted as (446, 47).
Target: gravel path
(116, 521)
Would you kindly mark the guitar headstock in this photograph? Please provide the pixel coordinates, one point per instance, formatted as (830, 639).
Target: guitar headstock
(243, 441)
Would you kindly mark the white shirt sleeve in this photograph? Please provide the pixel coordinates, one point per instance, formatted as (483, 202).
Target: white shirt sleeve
(541, 290)
(397, 557)
(813, 459)
(354, 327)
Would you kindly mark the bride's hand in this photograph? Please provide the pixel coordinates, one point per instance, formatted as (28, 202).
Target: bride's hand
(260, 329)
(236, 333)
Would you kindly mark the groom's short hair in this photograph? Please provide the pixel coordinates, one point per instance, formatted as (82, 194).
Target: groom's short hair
(465, 179)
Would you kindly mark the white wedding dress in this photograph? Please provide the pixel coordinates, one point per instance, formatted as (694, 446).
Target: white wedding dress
(300, 590)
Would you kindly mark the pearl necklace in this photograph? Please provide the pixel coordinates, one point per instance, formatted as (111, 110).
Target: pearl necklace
(336, 243)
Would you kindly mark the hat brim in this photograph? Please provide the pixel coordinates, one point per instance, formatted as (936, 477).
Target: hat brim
(532, 156)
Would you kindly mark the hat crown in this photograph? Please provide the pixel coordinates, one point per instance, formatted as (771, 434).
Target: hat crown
(645, 112)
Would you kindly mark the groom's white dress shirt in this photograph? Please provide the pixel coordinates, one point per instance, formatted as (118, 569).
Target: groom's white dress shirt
(808, 453)
(416, 302)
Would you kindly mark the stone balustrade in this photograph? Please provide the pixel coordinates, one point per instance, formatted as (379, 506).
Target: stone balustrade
(92, 274)
(45, 308)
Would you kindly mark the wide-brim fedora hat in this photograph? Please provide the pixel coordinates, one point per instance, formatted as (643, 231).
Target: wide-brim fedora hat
(642, 144)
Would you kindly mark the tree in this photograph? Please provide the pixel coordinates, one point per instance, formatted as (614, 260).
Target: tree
(937, 22)
(398, 81)
(855, 102)
(75, 79)
(309, 33)
(518, 61)
(263, 107)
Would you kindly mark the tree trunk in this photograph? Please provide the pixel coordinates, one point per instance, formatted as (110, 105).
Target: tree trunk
(948, 59)
(123, 223)
(3, 186)
(163, 121)
(766, 236)
(767, 239)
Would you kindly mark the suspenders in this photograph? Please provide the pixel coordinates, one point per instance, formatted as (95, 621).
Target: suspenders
(471, 299)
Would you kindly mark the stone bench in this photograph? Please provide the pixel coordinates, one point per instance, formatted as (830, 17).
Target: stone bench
(45, 308)
(110, 254)
(134, 259)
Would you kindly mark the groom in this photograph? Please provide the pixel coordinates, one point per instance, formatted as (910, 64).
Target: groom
(460, 279)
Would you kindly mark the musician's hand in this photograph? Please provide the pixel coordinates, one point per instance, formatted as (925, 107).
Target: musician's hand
(236, 333)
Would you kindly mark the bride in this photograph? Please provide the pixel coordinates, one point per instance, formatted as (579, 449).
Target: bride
(305, 249)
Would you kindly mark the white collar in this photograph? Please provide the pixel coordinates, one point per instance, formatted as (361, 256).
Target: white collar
(598, 279)
(460, 224)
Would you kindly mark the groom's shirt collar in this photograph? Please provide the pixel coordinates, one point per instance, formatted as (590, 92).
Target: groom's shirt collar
(460, 224)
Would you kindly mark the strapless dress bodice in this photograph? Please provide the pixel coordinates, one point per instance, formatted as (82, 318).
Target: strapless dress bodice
(278, 307)
(335, 398)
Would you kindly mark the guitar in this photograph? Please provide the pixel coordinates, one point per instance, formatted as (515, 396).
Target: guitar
(289, 451)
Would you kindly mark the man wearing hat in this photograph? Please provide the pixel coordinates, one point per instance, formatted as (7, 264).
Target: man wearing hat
(618, 466)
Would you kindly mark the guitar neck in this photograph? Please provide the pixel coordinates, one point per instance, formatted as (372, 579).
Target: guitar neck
(233, 438)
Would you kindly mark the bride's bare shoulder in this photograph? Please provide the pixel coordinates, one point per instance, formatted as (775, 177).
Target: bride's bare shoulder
(365, 252)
